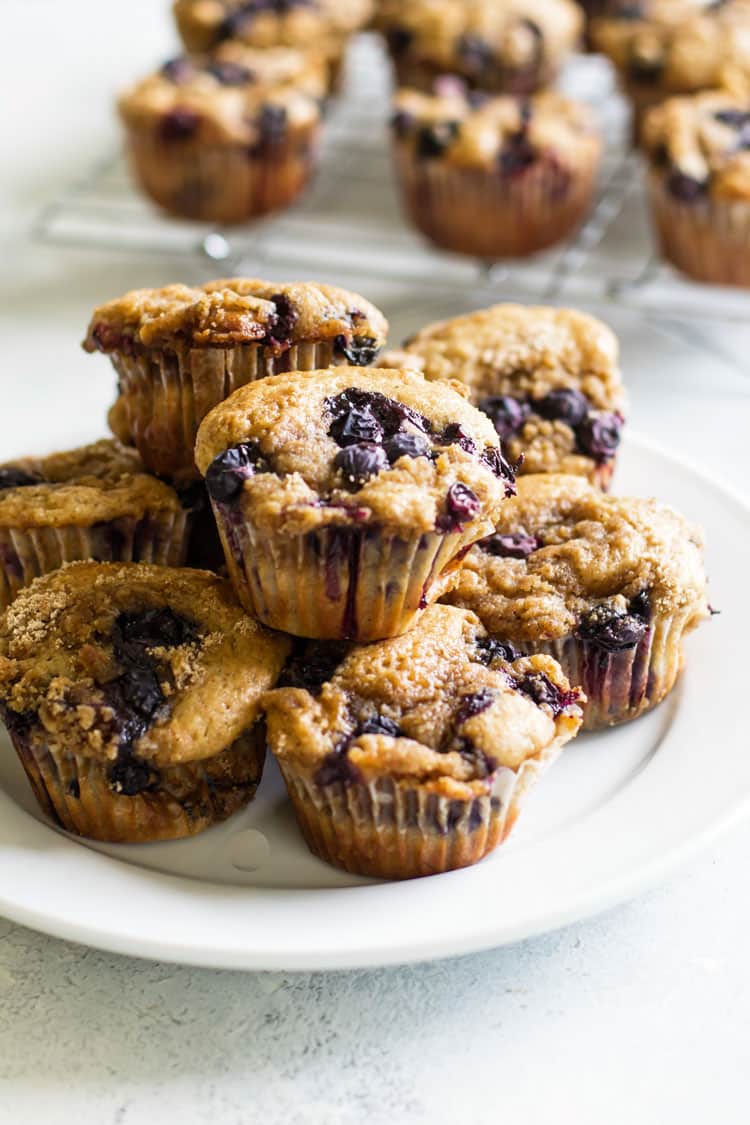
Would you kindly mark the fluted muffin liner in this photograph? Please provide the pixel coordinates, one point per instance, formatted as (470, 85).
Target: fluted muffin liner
(222, 183)
(164, 395)
(708, 239)
(479, 212)
(75, 793)
(398, 829)
(620, 686)
(159, 537)
(342, 582)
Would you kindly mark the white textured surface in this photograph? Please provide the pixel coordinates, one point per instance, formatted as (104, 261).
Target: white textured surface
(640, 1016)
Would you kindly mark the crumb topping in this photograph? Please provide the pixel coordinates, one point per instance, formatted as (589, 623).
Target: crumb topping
(562, 551)
(102, 659)
(435, 704)
(224, 313)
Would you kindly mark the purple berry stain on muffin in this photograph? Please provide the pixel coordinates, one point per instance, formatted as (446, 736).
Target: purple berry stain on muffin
(360, 351)
(511, 546)
(474, 704)
(455, 434)
(489, 649)
(685, 188)
(179, 70)
(284, 318)
(228, 471)
(312, 664)
(461, 506)
(615, 631)
(230, 73)
(517, 154)
(544, 693)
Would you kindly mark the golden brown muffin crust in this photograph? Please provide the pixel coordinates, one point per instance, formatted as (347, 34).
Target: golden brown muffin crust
(223, 96)
(223, 313)
(527, 352)
(436, 685)
(204, 23)
(59, 660)
(473, 133)
(585, 549)
(288, 417)
(702, 138)
(81, 487)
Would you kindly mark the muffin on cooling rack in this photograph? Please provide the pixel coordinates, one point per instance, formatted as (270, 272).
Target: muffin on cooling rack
(322, 26)
(548, 379)
(503, 46)
(131, 694)
(96, 502)
(607, 585)
(416, 756)
(664, 47)
(345, 499)
(494, 177)
(179, 351)
(699, 184)
(228, 137)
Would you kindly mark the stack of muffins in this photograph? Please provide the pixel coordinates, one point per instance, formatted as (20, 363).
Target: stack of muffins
(413, 642)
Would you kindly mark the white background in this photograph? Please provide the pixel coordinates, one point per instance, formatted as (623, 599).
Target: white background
(641, 1015)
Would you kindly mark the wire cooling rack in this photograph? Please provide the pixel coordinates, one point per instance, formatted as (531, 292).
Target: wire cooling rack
(350, 224)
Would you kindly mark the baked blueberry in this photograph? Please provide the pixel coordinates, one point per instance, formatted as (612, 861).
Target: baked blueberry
(228, 472)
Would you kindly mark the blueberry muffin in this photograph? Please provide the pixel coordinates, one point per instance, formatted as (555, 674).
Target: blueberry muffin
(228, 137)
(502, 46)
(416, 755)
(699, 184)
(665, 47)
(494, 177)
(320, 25)
(345, 499)
(548, 379)
(132, 696)
(179, 351)
(95, 502)
(607, 585)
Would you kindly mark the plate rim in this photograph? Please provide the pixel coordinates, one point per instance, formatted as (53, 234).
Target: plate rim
(606, 891)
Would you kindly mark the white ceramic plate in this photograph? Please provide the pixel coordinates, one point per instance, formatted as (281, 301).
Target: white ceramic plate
(617, 812)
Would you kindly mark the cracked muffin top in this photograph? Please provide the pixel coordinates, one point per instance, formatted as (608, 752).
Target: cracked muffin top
(441, 703)
(701, 144)
(565, 559)
(236, 95)
(677, 45)
(98, 482)
(475, 129)
(224, 313)
(134, 664)
(547, 378)
(478, 39)
(311, 449)
(268, 23)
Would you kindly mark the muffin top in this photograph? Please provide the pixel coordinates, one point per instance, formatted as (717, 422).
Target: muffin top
(548, 378)
(477, 38)
(237, 95)
(103, 481)
(134, 665)
(473, 129)
(268, 23)
(567, 560)
(224, 313)
(702, 145)
(441, 703)
(310, 449)
(676, 45)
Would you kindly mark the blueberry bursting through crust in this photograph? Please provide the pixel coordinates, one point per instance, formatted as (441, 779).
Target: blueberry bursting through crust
(614, 631)
(597, 433)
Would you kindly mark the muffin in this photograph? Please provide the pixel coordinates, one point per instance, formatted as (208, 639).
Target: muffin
(416, 756)
(96, 502)
(699, 184)
(548, 378)
(494, 177)
(179, 351)
(131, 694)
(665, 47)
(228, 137)
(502, 46)
(320, 25)
(345, 499)
(609, 586)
